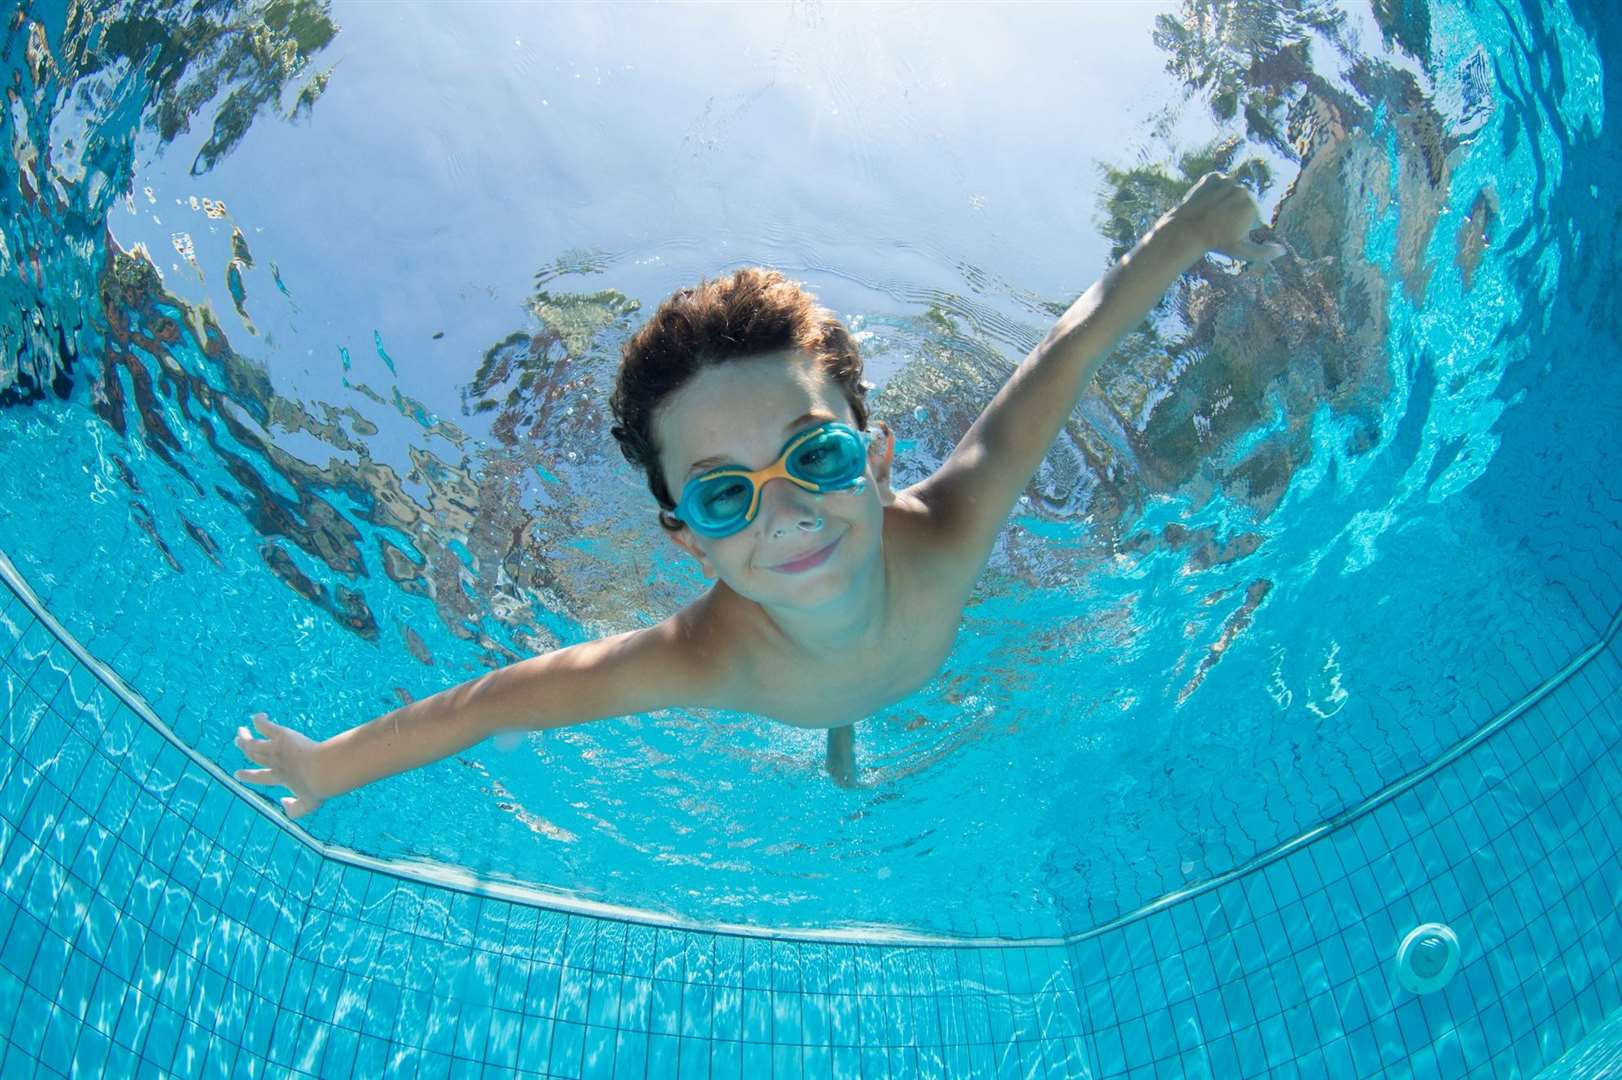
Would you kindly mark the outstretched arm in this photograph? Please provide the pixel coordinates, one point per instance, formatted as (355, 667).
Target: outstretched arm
(613, 676)
(975, 489)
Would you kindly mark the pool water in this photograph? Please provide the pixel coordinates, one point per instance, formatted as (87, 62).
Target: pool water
(1303, 636)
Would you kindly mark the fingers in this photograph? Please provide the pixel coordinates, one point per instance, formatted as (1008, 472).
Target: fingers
(256, 776)
(1254, 252)
(253, 749)
(1256, 246)
(264, 723)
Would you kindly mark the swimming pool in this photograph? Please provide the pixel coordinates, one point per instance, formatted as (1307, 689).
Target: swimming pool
(1232, 713)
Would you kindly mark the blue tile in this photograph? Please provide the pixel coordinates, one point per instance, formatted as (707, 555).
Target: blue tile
(1276, 1039)
(787, 1062)
(757, 1061)
(757, 965)
(1186, 920)
(1135, 1038)
(1298, 1023)
(695, 1056)
(1190, 1065)
(1111, 1051)
(1128, 1004)
(814, 1019)
(670, 954)
(840, 961)
(1222, 1056)
(603, 1001)
(1363, 1050)
(639, 950)
(786, 1017)
(786, 966)
(662, 1054)
(665, 1008)
(725, 1061)
(1450, 1055)
(976, 1018)
(818, 1061)
(630, 1056)
(1162, 1032)
(697, 1010)
(1312, 1066)
(1252, 1051)
(1214, 1018)
(1186, 1027)
(757, 1016)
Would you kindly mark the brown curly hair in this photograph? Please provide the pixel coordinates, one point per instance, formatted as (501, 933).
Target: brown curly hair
(748, 313)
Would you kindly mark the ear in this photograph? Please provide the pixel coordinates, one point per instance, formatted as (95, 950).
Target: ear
(880, 455)
(683, 538)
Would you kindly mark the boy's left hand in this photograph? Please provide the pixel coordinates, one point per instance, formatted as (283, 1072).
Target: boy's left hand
(1218, 214)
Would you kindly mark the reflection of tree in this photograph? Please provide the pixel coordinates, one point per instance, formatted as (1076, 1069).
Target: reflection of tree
(1136, 197)
(498, 574)
(1264, 350)
(1250, 57)
(181, 57)
(510, 577)
(188, 53)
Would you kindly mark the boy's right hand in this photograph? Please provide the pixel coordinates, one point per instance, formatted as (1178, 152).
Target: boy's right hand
(289, 759)
(1218, 214)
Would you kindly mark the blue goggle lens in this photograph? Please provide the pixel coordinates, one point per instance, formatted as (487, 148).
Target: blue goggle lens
(830, 458)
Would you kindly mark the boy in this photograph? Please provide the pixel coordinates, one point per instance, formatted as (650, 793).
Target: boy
(836, 595)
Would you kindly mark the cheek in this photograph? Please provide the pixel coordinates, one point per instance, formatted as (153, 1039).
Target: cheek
(731, 550)
(864, 507)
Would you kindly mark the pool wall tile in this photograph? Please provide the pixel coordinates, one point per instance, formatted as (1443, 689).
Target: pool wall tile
(1514, 845)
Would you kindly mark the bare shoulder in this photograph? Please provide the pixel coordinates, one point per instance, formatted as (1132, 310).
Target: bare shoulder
(701, 649)
(929, 534)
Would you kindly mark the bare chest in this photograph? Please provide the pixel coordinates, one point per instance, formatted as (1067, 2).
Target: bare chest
(921, 629)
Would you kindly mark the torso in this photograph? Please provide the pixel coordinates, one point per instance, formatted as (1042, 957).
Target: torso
(927, 588)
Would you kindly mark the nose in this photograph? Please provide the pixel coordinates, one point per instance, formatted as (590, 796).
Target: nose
(785, 505)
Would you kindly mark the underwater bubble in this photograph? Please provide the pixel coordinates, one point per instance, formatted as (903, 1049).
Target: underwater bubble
(920, 413)
(573, 456)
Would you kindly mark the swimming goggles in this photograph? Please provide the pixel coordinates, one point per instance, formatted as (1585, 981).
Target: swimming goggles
(829, 457)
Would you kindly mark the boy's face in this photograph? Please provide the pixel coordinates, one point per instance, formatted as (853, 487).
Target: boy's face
(741, 413)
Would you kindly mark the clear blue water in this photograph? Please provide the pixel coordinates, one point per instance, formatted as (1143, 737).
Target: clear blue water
(1180, 655)
(1323, 524)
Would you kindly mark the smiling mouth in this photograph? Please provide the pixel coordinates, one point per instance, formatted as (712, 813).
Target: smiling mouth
(806, 562)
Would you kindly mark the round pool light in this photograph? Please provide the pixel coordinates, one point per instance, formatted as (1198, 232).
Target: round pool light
(1427, 958)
